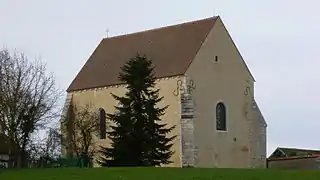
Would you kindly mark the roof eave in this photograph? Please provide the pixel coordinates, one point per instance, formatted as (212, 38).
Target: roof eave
(70, 90)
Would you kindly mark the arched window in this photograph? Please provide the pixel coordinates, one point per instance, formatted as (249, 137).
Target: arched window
(103, 127)
(221, 122)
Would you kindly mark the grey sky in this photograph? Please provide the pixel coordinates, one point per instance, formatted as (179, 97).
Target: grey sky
(279, 40)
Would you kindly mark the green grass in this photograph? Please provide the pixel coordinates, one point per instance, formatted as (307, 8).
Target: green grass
(157, 174)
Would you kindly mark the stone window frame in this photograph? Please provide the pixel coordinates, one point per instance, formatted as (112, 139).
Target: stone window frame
(221, 117)
(102, 123)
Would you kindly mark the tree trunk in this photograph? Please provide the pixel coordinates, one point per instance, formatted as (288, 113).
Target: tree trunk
(86, 161)
(23, 159)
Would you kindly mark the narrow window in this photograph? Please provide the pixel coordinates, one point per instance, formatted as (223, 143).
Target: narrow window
(102, 119)
(221, 123)
(216, 58)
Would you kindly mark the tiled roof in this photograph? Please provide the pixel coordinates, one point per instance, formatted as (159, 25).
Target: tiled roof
(281, 152)
(299, 152)
(171, 49)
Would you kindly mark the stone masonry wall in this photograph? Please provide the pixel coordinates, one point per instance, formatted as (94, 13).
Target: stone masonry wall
(65, 113)
(187, 130)
(257, 136)
(188, 156)
(188, 149)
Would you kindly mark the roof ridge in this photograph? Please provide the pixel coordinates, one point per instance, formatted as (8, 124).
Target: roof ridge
(161, 28)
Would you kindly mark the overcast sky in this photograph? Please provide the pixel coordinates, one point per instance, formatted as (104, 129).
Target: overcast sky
(279, 40)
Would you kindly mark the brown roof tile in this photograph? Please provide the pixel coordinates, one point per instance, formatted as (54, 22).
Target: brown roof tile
(171, 49)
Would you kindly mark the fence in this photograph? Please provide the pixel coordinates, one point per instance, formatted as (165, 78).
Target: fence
(74, 162)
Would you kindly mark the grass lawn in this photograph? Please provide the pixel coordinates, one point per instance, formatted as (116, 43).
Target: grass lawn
(156, 174)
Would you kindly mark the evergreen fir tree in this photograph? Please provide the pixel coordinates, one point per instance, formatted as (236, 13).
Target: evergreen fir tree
(139, 138)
